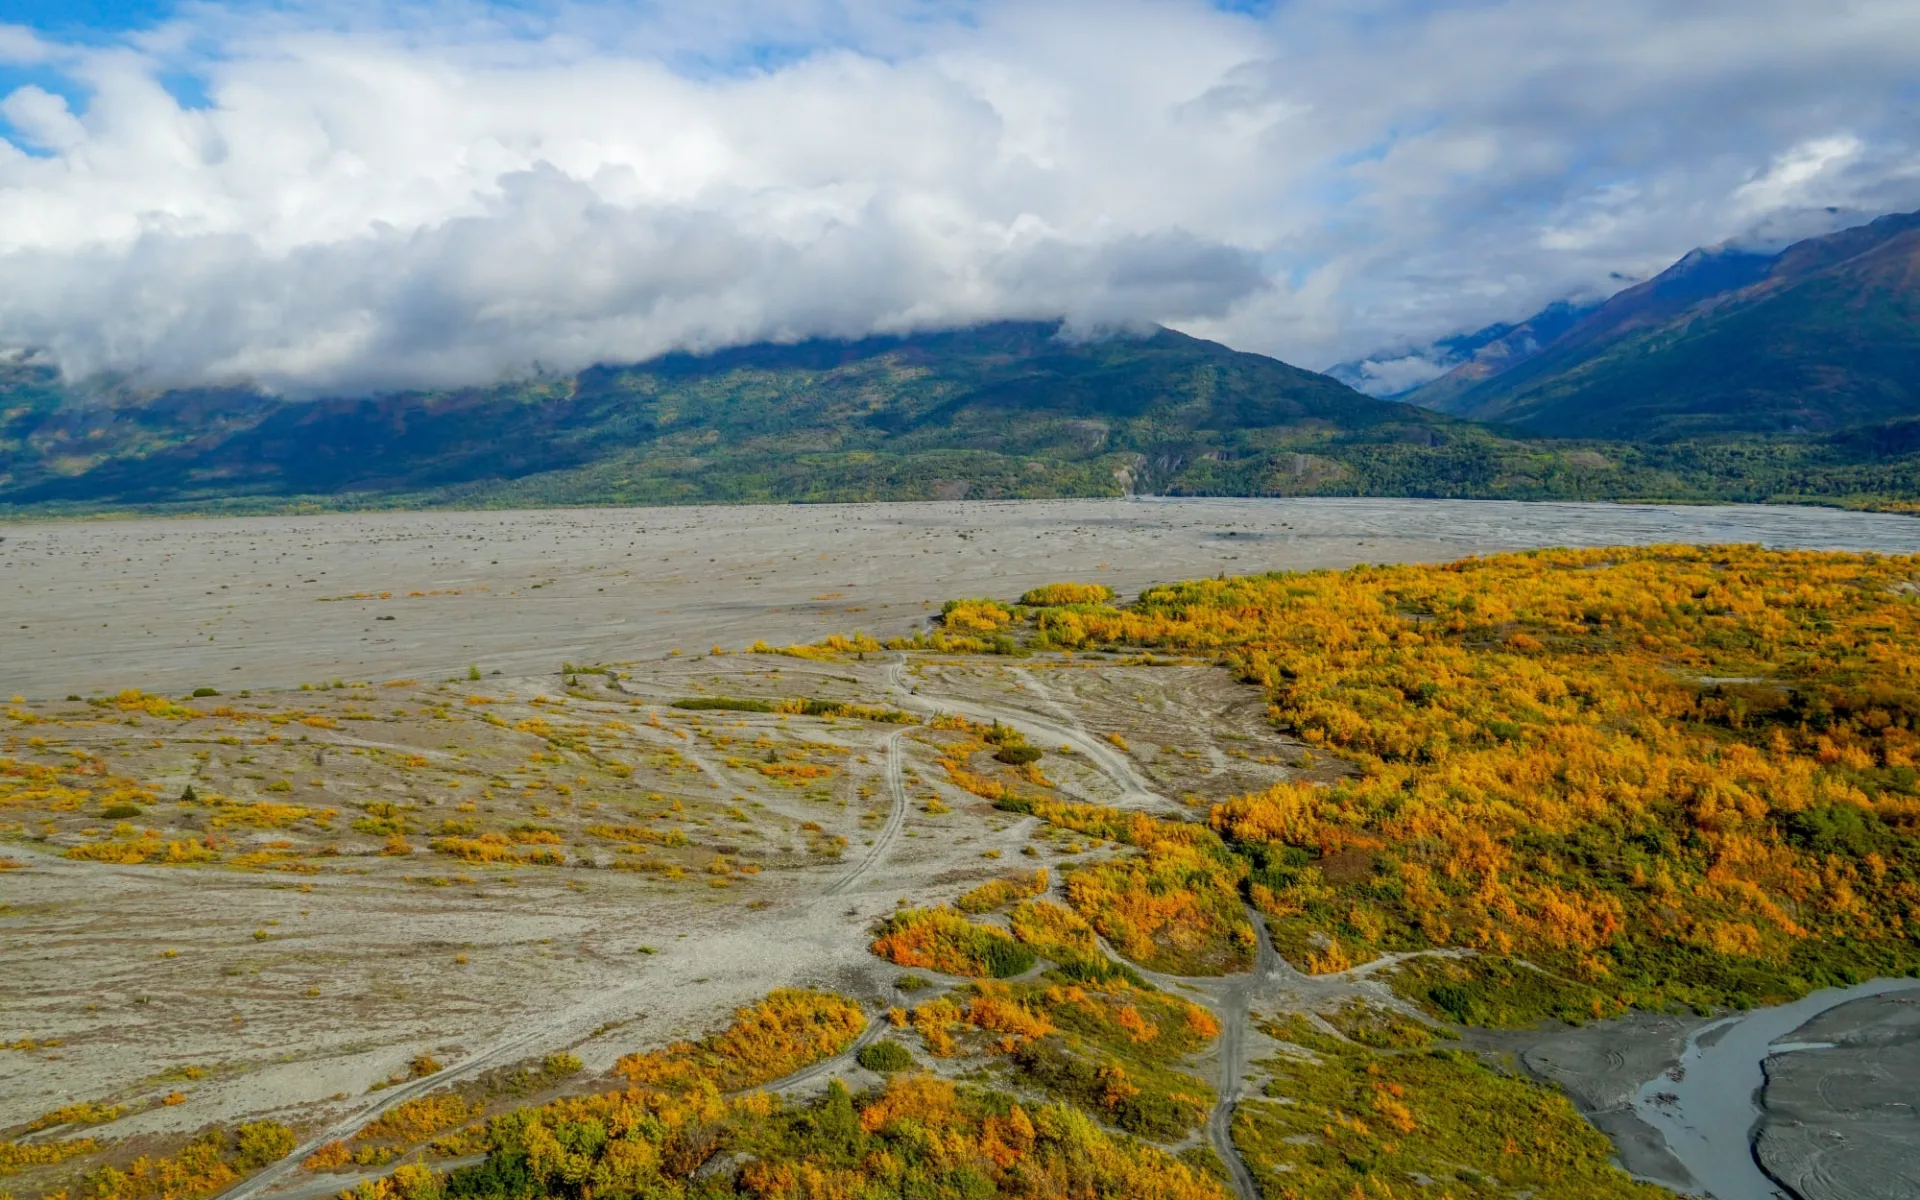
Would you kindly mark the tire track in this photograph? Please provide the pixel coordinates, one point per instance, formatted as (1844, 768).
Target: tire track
(1234, 997)
(1236, 1004)
(559, 1030)
(889, 832)
(1133, 788)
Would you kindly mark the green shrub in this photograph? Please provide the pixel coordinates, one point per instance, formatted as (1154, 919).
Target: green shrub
(725, 704)
(885, 1057)
(1017, 755)
(1844, 829)
(1005, 959)
(118, 812)
(1096, 969)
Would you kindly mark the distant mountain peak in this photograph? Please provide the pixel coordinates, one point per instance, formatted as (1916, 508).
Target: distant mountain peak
(1728, 340)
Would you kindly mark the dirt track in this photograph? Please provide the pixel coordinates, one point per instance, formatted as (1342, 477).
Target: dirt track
(556, 961)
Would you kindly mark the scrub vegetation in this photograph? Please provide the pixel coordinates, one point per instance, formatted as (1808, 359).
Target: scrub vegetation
(1668, 775)
(1557, 785)
(1342, 1118)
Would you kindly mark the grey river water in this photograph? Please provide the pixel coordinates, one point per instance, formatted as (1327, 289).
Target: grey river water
(1706, 1108)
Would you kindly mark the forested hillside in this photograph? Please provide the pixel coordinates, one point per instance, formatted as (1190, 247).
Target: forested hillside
(1008, 410)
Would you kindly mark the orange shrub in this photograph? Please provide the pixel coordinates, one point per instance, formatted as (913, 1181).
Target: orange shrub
(790, 1029)
(940, 939)
(997, 893)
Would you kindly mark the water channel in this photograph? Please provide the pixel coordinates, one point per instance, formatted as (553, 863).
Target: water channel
(1706, 1108)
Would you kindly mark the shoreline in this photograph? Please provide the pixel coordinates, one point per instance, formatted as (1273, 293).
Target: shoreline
(1688, 1101)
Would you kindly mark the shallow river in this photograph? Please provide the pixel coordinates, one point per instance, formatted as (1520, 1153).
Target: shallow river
(1707, 1108)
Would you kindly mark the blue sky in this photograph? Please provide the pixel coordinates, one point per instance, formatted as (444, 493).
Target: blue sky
(68, 16)
(356, 194)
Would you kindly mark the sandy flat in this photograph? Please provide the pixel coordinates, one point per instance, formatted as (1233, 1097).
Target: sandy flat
(1842, 1123)
(306, 967)
(261, 602)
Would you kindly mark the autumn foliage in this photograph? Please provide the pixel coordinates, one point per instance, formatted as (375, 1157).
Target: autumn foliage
(998, 893)
(1676, 772)
(941, 939)
(790, 1029)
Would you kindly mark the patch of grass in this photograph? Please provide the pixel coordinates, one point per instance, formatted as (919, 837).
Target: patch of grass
(1340, 1121)
(724, 704)
(1496, 992)
(1379, 1028)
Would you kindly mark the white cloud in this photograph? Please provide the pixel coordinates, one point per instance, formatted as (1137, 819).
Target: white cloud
(19, 44)
(42, 119)
(445, 193)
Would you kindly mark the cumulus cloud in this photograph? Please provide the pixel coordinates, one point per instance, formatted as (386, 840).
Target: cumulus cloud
(445, 193)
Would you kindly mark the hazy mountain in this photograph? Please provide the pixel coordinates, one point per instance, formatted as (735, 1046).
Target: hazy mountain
(1823, 336)
(1465, 358)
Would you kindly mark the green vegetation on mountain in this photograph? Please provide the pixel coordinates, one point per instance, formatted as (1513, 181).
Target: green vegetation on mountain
(999, 411)
(1824, 336)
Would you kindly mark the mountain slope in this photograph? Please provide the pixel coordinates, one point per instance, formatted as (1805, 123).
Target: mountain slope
(1007, 409)
(1821, 337)
(1486, 352)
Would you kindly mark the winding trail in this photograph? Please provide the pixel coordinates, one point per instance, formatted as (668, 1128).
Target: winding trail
(1232, 995)
(561, 1029)
(1134, 788)
(827, 1066)
(889, 832)
(1236, 1002)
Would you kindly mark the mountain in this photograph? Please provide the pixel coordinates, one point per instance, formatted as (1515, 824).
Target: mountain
(997, 411)
(1823, 336)
(1467, 357)
(1010, 409)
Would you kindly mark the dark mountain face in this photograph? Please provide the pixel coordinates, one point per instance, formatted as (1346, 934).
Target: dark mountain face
(1820, 337)
(1038, 414)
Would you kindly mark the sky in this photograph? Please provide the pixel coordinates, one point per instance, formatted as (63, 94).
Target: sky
(340, 197)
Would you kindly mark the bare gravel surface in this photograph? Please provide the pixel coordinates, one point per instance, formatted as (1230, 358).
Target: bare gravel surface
(263, 602)
(298, 975)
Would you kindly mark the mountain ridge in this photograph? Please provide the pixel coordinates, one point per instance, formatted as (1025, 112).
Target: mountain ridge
(1823, 336)
(1005, 410)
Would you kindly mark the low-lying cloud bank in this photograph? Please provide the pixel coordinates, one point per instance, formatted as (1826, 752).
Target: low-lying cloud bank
(318, 202)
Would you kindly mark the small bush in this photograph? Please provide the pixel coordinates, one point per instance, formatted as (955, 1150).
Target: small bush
(560, 1065)
(724, 704)
(944, 940)
(1018, 755)
(885, 1057)
(1055, 595)
(203, 692)
(119, 812)
(260, 1143)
